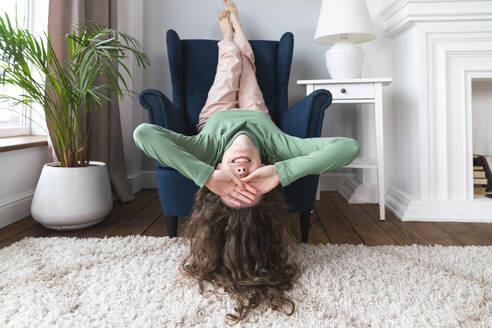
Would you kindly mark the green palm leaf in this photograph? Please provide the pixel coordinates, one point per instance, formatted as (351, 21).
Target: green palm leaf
(67, 89)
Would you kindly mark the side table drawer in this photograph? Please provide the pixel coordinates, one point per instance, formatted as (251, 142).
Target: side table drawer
(349, 91)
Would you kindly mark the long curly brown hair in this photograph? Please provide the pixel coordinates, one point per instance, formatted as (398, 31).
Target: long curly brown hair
(242, 250)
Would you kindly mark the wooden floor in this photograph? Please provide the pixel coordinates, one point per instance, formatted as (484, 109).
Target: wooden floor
(333, 221)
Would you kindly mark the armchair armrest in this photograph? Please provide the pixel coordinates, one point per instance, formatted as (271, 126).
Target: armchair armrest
(305, 118)
(162, 111)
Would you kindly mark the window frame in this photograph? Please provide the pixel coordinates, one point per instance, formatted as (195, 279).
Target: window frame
(25, 112)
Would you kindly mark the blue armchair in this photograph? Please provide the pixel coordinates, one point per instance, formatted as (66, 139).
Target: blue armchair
(193, 64)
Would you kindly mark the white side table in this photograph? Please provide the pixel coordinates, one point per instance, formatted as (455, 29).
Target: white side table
(360, 91)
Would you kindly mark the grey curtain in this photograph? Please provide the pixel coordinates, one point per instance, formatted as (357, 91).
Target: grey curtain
(105, 141)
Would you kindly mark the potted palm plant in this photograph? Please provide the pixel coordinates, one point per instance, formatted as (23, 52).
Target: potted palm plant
(74, 192)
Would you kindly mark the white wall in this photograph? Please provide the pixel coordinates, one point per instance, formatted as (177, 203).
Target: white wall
(19, 174)
(404, 125)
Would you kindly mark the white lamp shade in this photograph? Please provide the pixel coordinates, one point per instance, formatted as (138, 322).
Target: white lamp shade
(344, 19)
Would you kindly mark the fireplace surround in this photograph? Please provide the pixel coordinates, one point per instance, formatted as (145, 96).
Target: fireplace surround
(440, 48)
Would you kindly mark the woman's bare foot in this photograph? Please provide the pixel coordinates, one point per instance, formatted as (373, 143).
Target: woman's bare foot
(225, 24)
(231, 6)
(239, 36)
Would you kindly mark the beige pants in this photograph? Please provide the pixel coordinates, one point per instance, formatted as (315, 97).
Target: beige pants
(235, 84)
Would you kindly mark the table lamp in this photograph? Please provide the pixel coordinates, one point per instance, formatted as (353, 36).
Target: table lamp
(342, 23)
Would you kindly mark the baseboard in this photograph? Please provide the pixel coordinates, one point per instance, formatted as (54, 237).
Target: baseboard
(347, 188)
(142, 180)
(475, 210)
(450, 211)
(15, 208)
(397, 201)
(332, 181)
(356, 193)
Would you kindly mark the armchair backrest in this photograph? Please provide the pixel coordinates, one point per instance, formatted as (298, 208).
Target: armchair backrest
(193, 65)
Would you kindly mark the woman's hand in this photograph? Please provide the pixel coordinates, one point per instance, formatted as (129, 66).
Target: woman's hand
(228, 185)
(263, 179)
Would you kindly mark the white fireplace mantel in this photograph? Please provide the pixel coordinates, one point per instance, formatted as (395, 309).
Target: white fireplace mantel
(440, 48)
(400, 14)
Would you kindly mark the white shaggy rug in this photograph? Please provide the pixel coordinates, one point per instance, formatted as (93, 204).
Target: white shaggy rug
(134, 282)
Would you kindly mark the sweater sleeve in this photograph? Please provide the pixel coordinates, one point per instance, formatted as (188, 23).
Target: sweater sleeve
(192, 156)
(297, 157)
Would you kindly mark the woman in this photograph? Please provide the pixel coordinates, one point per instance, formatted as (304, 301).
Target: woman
(238, 239)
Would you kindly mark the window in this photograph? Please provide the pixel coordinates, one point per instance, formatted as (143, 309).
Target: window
(33, 15)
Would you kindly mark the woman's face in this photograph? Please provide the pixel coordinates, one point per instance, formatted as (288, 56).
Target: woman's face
(240, 160)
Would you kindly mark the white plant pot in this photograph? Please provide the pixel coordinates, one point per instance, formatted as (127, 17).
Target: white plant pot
(68, 198)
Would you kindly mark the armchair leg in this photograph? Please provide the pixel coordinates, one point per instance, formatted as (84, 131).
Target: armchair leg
(172, 226)
(304, 217)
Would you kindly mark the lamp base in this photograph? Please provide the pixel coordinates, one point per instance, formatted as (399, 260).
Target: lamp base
(344, 60)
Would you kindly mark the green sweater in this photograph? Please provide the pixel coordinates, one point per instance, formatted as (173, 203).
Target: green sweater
(197, 156)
